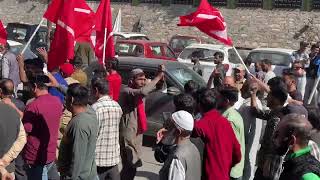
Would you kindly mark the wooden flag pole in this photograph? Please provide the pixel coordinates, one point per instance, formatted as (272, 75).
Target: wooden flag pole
(241, 60)
(32, 36)
(315, 85)
(104, 46)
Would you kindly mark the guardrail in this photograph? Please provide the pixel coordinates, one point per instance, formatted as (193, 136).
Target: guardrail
(305, 5)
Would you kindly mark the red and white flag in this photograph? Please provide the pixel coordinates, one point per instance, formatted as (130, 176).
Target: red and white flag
(208, 20)
(104, 23)
(72, 19)
(3, 34)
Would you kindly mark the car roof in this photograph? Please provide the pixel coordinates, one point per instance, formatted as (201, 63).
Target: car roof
(281, 50)
(208, 46)
(13, 43)
(129, 34)
(144, 42)
(139, 62)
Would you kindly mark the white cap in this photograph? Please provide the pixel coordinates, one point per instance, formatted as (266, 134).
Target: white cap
(183, 119)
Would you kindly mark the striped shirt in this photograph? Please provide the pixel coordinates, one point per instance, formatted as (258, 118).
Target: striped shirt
(107, 148)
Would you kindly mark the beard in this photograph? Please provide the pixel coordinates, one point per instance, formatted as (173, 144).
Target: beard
(283, 148)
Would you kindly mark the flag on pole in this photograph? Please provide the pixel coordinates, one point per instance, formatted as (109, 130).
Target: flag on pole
(104, 23)
(208, 20)
(117, 23)
(3, 34)
(72, 20)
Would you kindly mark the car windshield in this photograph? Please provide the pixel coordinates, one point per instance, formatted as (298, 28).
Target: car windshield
(205, 54)
(233, 57)
(276, 58)
(28, 54)
(183, 75)
(181, 43)
(128, 49)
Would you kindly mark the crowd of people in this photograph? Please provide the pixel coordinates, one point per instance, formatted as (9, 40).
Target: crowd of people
(71, 124)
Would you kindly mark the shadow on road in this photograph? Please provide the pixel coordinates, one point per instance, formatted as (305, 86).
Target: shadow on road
(147, 175)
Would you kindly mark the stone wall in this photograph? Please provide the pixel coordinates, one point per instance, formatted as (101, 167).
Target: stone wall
(247, 27)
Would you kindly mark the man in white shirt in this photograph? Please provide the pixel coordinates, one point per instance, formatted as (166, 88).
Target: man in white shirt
(267, 68)
(301, 55)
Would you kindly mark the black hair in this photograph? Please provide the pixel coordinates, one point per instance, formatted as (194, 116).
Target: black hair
(314, 118)
(267, 61)
(191, 87)
(207, 99)
(100, 72)
(279, 92)
(313, 46)
(304, 44)
(219, 54)
(112, 64)
(229, 93)
(275, 82)
(37, 62)
(80, 94)
(101, 85)
(40, 81)
(184, 102)
(196, 54)
(6, 89)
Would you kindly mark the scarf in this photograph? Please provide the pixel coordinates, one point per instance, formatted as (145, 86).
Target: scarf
(142, 117)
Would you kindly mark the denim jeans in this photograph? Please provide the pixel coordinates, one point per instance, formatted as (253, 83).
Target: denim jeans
(38, 172)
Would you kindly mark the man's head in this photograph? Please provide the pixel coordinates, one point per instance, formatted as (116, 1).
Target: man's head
(112, 64)
(195, 56)
(274, 82)
(239, 72)
(228, 96)
(207, 100)
(292, 133)
(218, 57)
(6, 88)
(77, 97)
(182, 124)
(4, 47)
(303, 46)
(39, 82)
(185, 102)
(290, 80)
(298, 68)
(229, 81)
(247, 87)
(191, 87)
(266, 65)
(277, 96)
(314, 49)
(258, 66)
(99, 87)
(137, 78)
(77, 62)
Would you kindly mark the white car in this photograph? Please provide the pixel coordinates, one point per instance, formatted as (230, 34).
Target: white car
(16, 48)
(207, 51)
(280, 58)
(129, 36)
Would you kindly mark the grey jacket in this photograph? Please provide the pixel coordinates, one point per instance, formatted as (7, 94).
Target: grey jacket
(10, 68)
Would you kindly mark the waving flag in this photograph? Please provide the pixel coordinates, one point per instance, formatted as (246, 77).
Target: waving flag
(3, 34)
(73, 18)
(104, 24)
(208, 20)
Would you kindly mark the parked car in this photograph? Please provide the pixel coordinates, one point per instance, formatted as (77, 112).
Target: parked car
(179, 42)
(21, 32)
(16, 48)
(130, 36)
(147, 49)
(206, 60)
(280, 58)
(159, 103)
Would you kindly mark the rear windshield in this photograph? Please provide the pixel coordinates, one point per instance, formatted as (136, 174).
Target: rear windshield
(127, 49)
(276, 58)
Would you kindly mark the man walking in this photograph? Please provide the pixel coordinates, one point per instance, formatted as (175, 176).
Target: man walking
(108, 114)
(77, 148)
(41, 121)
(134, 120)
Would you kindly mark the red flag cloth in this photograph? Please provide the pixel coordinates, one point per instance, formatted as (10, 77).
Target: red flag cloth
(142, 117)
(104, 21)
(208, 20)
(73, 19)
(3, 34)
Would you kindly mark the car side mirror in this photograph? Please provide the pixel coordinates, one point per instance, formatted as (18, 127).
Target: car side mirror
(173, 91)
